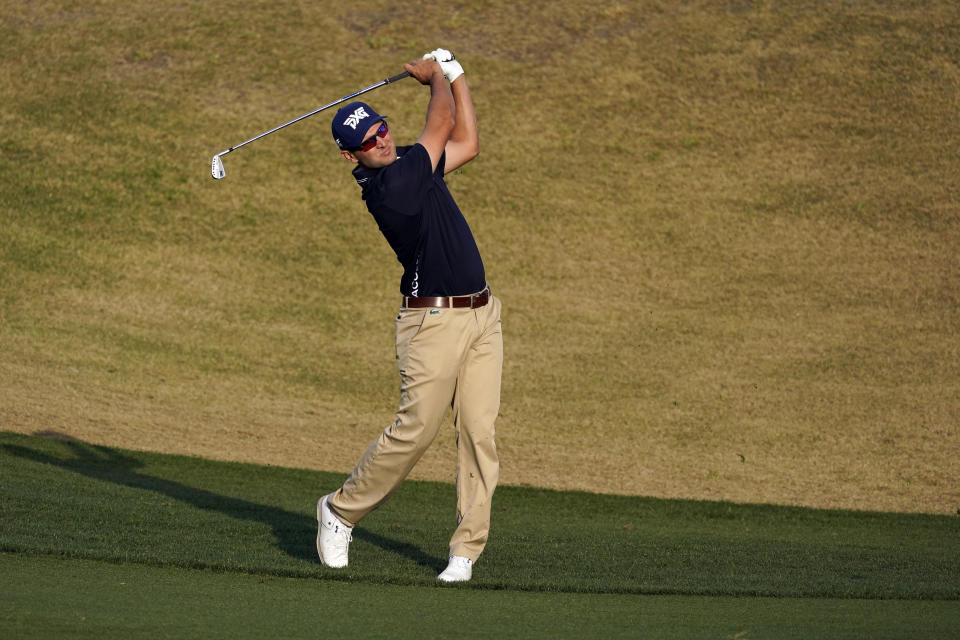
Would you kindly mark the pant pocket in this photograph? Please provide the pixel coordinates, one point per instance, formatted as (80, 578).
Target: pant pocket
(406, 327)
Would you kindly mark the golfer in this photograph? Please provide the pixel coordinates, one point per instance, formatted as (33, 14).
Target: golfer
(449, 346)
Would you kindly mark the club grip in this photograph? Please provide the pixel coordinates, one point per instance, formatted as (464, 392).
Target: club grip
(399, 76)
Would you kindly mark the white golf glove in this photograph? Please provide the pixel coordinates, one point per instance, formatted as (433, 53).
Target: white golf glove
(448, 63)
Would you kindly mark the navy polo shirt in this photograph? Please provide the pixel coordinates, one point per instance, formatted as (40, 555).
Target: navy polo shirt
(423, 225)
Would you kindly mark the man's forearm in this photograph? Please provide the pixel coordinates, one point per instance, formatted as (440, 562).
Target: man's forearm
(465, 130)
(441, 111)
(442, 107)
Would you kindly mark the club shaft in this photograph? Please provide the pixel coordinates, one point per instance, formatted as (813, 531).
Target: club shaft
(399, 76)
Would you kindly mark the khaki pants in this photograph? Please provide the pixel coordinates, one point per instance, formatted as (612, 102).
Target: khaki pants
(445, 356)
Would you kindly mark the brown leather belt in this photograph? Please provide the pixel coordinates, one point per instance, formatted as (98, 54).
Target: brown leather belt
(456, 302)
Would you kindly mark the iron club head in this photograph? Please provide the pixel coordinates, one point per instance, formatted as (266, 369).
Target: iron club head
(216, 168)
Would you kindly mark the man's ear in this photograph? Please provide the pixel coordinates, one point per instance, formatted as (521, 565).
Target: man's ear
(346, 155)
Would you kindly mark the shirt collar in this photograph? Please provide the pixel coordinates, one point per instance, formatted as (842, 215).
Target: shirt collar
(363, 174)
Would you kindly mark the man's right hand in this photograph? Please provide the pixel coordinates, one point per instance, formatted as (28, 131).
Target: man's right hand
(424, 69)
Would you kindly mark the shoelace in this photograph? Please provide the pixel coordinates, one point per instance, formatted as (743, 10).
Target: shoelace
(343, 535)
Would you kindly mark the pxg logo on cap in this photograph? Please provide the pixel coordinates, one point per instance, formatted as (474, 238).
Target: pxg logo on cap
(351, 122)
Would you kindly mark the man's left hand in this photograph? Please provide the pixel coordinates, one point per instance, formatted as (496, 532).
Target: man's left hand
(448, 62)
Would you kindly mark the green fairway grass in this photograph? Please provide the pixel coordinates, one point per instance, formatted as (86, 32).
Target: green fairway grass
(74, 500)
(43, 597)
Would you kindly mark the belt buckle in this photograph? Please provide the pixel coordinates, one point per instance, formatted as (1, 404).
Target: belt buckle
(476, 296)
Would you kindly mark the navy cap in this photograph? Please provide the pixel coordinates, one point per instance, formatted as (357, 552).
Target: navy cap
(351, 122)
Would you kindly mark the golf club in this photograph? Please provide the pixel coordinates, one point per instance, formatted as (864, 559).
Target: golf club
(216, 165)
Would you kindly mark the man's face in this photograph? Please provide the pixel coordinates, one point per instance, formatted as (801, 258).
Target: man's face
(383, 153)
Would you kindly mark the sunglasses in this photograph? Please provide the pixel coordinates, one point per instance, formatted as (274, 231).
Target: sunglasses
(371, 142)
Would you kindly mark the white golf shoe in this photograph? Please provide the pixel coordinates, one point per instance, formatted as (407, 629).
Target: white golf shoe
(333, 537)
(460, 569)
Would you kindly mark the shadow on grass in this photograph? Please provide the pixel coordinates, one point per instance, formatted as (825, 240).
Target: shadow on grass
(295, 533)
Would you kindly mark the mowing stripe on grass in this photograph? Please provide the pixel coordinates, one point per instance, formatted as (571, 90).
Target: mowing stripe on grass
(44, 597)
(72, 499)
